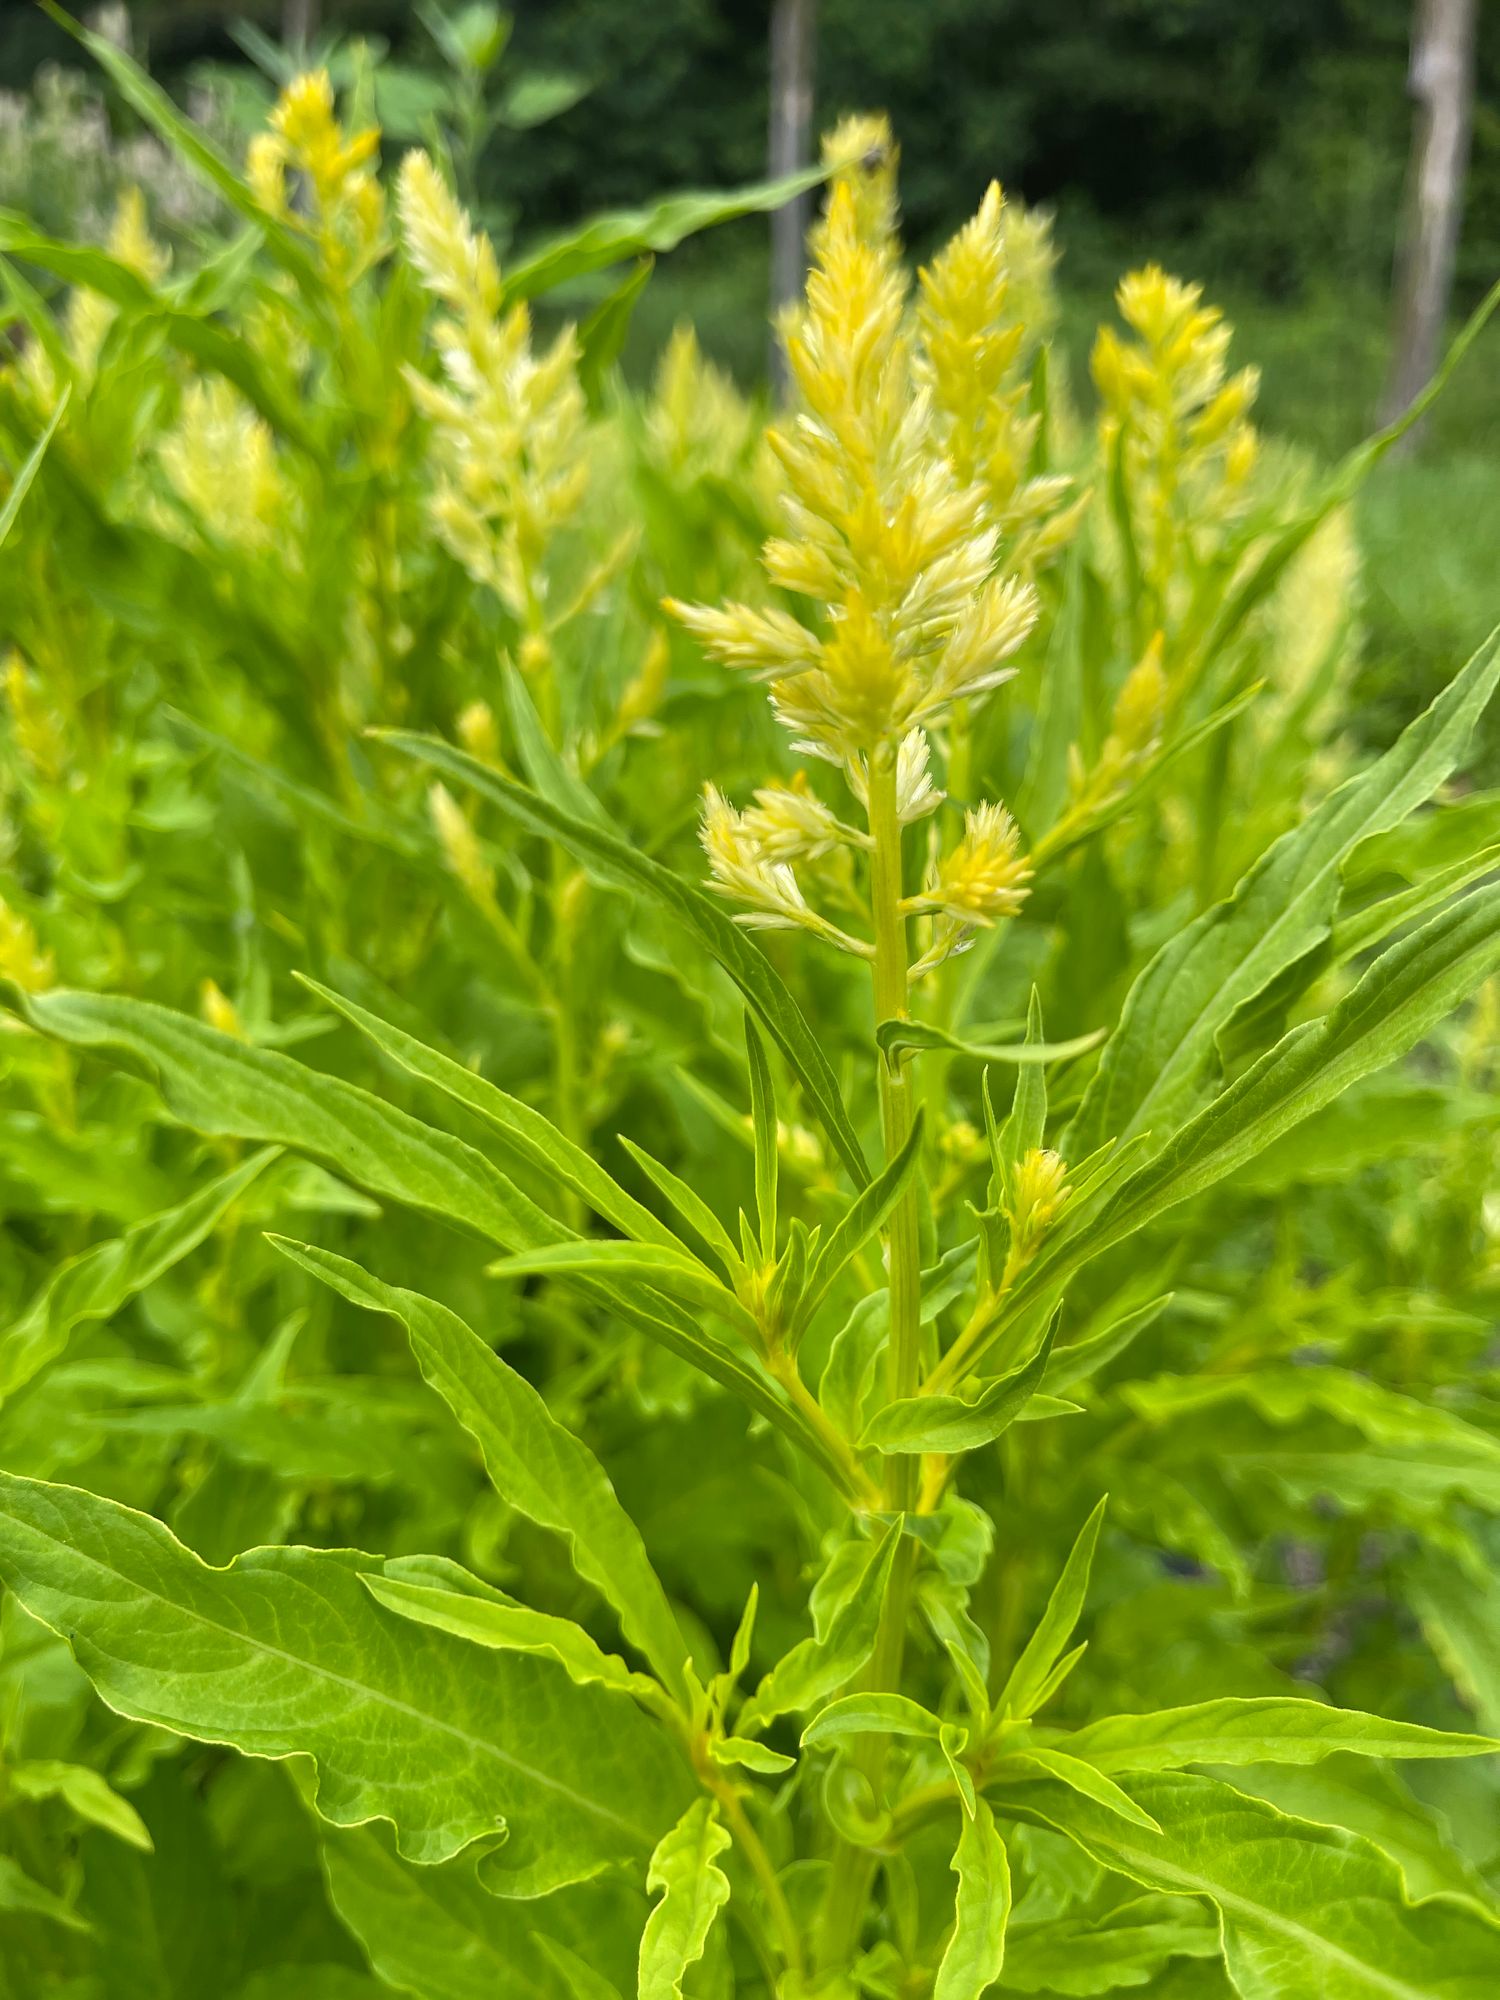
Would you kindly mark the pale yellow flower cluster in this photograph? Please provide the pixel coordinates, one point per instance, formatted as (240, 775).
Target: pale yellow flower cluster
(891, 538)
(508, 424)
(974, 346)
(1037, 1195)
(881, 534)
(347, 208)
(220, 460)
(1136, 727)
(1180, 420)
(22, 958)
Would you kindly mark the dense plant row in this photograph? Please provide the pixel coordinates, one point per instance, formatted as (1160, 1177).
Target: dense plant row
(552, 1446)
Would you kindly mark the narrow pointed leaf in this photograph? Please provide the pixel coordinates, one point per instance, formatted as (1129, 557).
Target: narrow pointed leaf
(1055, 1628)
(534, 1138)
(719, 935)
(974, 1956)
(1078, 1776)
(1260, 1730)
(537, 1465)
(693, 1890)
(100, 1280)
(1161, 1058)
(953, 1423)
(818, 1667)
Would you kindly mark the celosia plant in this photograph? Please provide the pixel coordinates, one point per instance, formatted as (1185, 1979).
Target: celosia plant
(593, 1482)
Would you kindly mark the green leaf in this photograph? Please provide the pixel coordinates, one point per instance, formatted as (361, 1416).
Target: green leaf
(20, 486)
(537, 1465)
(818, 1667)
(719, 935)
(545, 770)
(1021, 1693)
(958, 1423)
(489, 1620)
(691, 1206)
(219, 1085)
(21, 1895)
(1068, 1956)
(767, 1152)
(693, 1891)
(285, 1652)
(859, 1222)
(1161, 1059)
(975, 1953)
(1083, 1778)
(601, 336)
(100, 1280)
(1305, 1909)
(1259, 1730)
(623, 233)
(675, 1271)
(743, 1752)
(1406, 992)
(870, 1715)
(438, 1932)
(1460, 1617)
(899, 1037)
(1086, 1356)
(1024, 1129)
(532, 1138)
(84, 1792)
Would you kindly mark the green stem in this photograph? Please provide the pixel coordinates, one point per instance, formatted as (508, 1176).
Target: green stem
(853, 1868)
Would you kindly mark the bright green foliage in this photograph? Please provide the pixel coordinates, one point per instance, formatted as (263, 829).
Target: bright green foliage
(555, 1447)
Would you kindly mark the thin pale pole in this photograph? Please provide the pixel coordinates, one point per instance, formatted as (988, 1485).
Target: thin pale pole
(793, 25)
(1441, 85)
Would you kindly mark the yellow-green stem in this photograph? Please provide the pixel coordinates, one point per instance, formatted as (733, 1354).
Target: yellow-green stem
(854, 1867)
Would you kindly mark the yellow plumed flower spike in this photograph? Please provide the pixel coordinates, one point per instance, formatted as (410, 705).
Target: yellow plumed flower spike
(1036, 1196)
(1179, 422)
(509, 424)
(986, 876)
(974, 346)
(344, 195)
(894, 549)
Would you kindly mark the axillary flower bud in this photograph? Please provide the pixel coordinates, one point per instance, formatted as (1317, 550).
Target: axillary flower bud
(1036, 1196)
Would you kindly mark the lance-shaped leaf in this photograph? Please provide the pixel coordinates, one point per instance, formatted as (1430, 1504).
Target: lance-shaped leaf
(84, 1792)
(959, 1423)
(1072, 1955)
(675, 1271)
(285, 1652)
(20, 486)
(763, 1124)
(975, 1954)
(693, 1889)
(1078, 1776)
(536, 1464)
(1407, 990)
(773, 1006)
(1085, 1356)
(1305, 1909)
(1026, 1126)
(534, 1139)
(864, 1215)
(1259, 1730)
(494, 1621)
(439, 1932)
(100, 1280)
(818, 1667)
(1460, 1616)
(631, 232)
(1021, 1694)
(871, 1715)
(216, 1084)
(898, 1037)
(1163, 1054)
(21, 1895)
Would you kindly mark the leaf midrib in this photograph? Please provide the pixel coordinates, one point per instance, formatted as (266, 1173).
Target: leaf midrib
(541, 1778)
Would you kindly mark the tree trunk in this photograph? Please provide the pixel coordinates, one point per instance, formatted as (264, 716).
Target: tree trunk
(299, 23)
(792, 25)
(1441, 84)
